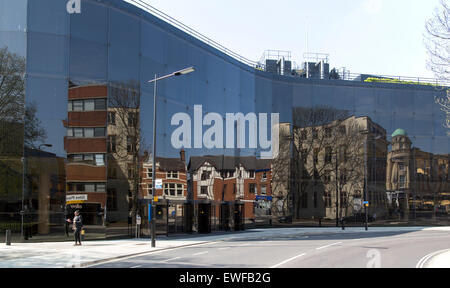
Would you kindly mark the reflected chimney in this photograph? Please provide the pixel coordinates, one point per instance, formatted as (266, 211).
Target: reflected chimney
(182, 155)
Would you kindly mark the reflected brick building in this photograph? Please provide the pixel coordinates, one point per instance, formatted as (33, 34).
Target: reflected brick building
(86, 148)
(244, 180)
(172, 172)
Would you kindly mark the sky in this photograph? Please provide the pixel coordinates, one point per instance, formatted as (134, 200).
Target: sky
(382, 37)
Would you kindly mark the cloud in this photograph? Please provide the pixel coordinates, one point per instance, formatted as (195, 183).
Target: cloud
(373, 6)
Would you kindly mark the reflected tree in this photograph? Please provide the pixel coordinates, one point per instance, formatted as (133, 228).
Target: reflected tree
(326, 162)
(444, 103)
(124, 102)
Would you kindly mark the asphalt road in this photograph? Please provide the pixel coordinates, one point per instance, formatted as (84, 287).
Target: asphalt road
(346, 250)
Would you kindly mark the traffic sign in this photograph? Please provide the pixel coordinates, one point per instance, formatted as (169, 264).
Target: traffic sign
(138, 220)
(158, 184)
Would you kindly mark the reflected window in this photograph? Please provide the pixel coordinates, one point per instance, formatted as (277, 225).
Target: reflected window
(99, 132)
(172, 175)
(100, 104)
(86, 105)
(252, 188)
(112, 143)
(149, 173)
(101, 187)
(78, 132)
(86, 132)
(100, 159)
(77, 105)
(180, 189)
(402, 181)
(263, 189)
(86, 187)
(89, 105)
(112, 118)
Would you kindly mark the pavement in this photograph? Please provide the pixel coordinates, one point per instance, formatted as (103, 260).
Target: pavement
(65, 255)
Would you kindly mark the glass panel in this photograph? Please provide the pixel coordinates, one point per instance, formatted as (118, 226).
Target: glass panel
(78, 105)
(101, 187)
(100, 104)
(78, 132)
(88, 132)
(99, 132)
(89, 187)
(99, 160)
(89, 105)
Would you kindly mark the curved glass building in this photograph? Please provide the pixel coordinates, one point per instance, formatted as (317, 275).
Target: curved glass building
(238, 144)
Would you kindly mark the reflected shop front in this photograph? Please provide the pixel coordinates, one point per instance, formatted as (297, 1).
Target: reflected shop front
(237, 145)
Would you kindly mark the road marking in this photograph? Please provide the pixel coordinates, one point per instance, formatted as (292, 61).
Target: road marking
(169, 260)
(224, 248)
(200, 253)
(142, 254)
(427, 257)
(288, 260)
(329, 245)
(136, 266)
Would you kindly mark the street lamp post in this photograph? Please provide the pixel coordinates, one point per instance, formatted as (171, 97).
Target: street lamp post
(177, 73)
(366, 182)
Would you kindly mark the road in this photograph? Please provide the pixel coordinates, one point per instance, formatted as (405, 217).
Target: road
(338, 250)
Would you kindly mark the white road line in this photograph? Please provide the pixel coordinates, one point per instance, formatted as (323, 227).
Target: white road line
(136, 266)
(329, 245)
(151, 252)
(224, 248)
(200, 253)
(427, 257)
(288, 260)
(169, 260)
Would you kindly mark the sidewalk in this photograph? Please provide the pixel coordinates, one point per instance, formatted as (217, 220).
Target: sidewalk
(64, 254)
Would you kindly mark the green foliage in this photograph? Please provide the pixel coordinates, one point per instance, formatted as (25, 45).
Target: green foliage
(397, 81)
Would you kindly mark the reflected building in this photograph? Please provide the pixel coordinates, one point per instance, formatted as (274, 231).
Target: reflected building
(328, 165)
(86, 148)
(417, 182)
(173, 174)
(240, 187)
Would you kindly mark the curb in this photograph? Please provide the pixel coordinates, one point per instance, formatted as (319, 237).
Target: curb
(95, 262)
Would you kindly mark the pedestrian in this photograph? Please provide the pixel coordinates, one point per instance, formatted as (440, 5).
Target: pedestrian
(77, 226)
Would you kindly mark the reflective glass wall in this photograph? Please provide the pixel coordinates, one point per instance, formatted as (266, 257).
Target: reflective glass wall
(13, 47)
(343, 146)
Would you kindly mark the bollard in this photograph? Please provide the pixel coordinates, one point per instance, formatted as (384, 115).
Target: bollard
(8, 237)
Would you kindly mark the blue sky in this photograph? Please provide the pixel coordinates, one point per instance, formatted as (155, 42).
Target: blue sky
(365, 36)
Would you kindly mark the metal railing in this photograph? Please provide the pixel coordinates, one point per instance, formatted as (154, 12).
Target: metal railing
(343, 75)
(193, 33)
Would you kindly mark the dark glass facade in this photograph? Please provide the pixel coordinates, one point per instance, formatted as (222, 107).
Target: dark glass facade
(62, 149)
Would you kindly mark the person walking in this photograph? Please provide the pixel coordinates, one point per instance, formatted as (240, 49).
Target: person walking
(77, 226)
